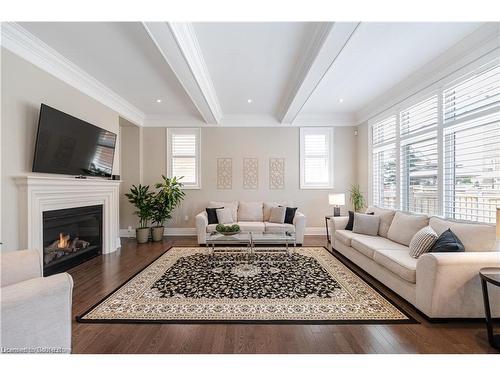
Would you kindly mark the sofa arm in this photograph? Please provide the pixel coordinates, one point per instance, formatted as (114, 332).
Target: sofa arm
(201, 227)
(36, 315)
(448, 284)
(299, 221)
(19, 265)
(338, 223)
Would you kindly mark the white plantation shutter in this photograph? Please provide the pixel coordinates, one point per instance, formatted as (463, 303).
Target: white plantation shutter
(419, 175)
(419, 157)
(316, 154)
(384, 176)
(422, 116)
(183, 155)
(104, 152)
(472, 146)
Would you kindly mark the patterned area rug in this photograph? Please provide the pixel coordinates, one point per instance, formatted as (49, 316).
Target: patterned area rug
(190, 285)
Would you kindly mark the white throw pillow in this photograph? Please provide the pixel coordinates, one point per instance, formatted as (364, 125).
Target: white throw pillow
(422, 241)
(277, 215)
(404, 226)
(366, 224)
(233, 206)
(250, 211)
(224, 216)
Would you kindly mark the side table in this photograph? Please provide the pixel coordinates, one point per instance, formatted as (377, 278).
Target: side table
(490, 275)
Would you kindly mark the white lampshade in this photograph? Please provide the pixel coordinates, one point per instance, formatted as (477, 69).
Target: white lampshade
(336, 199)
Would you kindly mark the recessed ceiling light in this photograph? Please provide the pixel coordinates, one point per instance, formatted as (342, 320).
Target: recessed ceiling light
(249, 101)
(158, 100)
(341, 100)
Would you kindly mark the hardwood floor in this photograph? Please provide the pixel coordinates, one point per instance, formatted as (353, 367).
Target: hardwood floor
(96, 278)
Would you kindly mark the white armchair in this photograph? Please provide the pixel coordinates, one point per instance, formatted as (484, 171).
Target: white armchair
(35, 310)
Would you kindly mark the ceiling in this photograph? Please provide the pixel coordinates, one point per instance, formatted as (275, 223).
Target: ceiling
(247, 74)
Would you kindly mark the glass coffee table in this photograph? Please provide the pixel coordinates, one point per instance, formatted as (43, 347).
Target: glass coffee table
(251, 239)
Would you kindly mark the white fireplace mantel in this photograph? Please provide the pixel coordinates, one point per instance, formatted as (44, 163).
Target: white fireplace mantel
(40, 193)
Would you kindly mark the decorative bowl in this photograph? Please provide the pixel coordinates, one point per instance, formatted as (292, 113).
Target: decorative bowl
(229, 233)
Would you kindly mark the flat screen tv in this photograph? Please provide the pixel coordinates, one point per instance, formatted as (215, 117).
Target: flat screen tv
(70, 146)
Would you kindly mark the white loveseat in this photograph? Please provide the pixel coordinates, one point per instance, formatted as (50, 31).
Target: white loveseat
(251, 217)
(36, 310)
(440, 285)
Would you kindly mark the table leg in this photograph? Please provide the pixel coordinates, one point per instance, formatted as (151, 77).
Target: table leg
(492, 339)
(327, 234)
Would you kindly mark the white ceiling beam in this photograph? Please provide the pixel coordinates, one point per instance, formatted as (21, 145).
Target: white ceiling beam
(328, 42)
(179, 47)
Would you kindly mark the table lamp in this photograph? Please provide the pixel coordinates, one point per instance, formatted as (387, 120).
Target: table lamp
(336, 200)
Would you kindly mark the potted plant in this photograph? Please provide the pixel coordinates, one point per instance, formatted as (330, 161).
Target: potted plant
(166, 199)
(357, 199)
(142, 199)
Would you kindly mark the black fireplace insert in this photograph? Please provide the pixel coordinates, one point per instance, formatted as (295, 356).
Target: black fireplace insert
(71, 236)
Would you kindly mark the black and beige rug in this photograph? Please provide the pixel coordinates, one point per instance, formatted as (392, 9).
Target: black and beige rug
(189, 285)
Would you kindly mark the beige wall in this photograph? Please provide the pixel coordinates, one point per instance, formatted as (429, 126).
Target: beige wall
(130, 139)
(238, 143)
(23, 88)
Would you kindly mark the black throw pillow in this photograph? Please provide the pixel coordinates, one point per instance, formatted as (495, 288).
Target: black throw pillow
(350, 223)
(212, 215)
(447, 242)
(290, 214)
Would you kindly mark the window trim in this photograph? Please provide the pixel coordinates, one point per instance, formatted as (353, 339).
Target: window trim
(317, 130)
(197, 133)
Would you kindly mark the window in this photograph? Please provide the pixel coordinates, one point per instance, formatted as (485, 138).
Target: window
(384, 177)
(418, 160)
(183, 156)
(472, 147)
(316, 158)
(448, 150)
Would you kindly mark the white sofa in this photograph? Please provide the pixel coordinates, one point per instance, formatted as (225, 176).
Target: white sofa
(440, 285)
(251, 217)
(36, 310)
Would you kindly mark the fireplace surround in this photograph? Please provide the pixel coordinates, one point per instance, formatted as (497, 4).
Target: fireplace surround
(38, 194)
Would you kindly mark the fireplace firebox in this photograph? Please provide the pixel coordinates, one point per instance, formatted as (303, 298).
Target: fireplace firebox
(71, 236)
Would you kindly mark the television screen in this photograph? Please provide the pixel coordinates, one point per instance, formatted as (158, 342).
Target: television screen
(67, 145)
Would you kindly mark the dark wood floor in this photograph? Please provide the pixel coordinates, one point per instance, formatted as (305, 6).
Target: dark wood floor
(100, 276)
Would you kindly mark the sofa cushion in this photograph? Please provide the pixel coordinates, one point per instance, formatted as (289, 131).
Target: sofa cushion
(366, 224)
(250, 211)
(367, 245)
(474, 237)
(224, 215)
(422, 241)
(278, 228)
(345, 236)
(399, 262)
(267, 209)
(277, 215)
(252, 226)
(231, 205)
(386, 217)
(404, 226)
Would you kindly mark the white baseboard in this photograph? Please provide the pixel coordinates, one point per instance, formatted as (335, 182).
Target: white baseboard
(310, 231)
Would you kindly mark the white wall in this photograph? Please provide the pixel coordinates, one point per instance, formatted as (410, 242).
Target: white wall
(237, 143)
(23, 88)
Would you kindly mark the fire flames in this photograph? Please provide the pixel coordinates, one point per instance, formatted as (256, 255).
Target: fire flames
(63, 241)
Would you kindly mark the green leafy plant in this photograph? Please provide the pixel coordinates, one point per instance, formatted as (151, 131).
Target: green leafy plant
(221, 228)
(166, 199)
(357, 199)
(142, 199)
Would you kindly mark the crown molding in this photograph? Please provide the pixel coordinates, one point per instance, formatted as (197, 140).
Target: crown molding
(24, 44)
(470, 49)
(178, 44)
(327, 44)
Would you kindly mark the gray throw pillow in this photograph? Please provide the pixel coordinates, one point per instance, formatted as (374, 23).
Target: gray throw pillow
(366, 224)
(277, 215)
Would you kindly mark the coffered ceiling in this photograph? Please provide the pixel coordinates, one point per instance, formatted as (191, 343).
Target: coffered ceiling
(235, 74)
